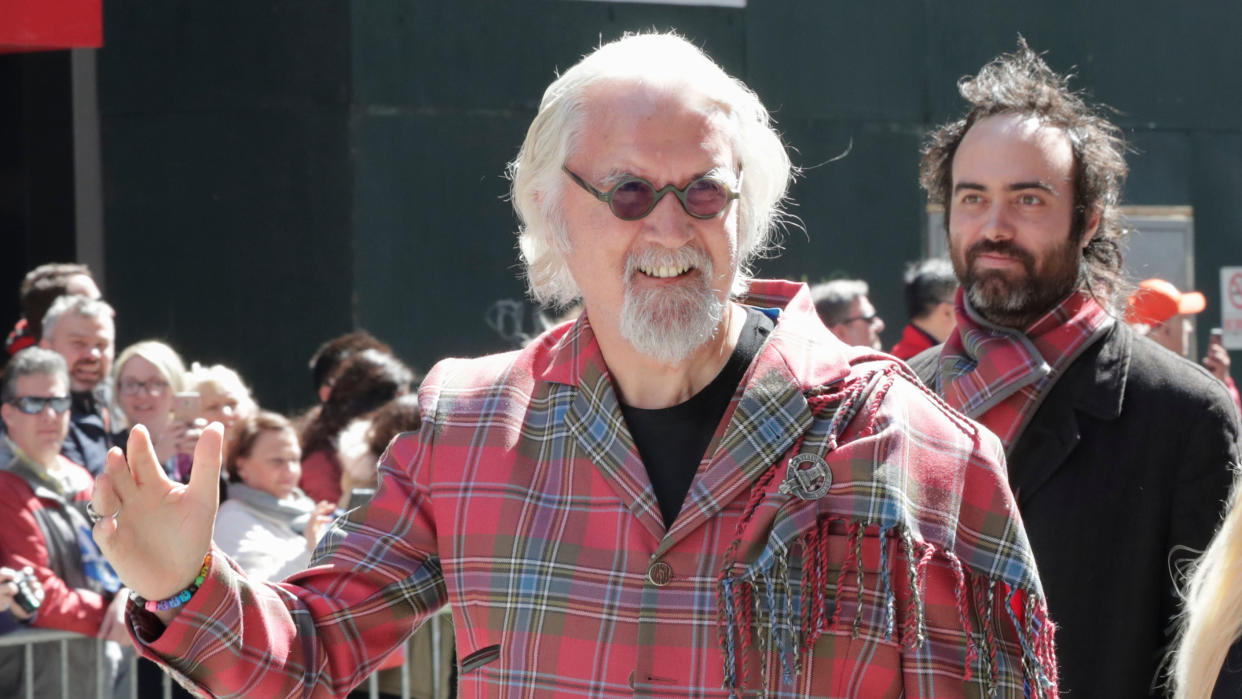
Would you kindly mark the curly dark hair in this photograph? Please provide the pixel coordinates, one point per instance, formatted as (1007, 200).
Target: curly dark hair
(42, 286)
(1021, 83)
(363, 383)
(400, 415)
(329, 356)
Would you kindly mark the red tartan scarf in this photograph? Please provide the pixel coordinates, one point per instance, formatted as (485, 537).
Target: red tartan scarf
(999, 376)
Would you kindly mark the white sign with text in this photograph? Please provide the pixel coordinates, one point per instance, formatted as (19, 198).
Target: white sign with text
(1231, 306)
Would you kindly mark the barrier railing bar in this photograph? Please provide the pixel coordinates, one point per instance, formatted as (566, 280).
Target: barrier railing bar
(28, 657)
(28, 638)
(436, 660)
(64, 669)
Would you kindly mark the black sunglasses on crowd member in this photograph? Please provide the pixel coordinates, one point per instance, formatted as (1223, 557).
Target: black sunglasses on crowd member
(33, 405)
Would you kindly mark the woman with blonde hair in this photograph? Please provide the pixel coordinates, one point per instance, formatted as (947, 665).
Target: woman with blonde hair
(146, 376)
(226, 398)
(1207, 660)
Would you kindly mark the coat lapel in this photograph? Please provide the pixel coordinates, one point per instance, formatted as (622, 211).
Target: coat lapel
(771, 413)
(1093, 386)
(594, 419)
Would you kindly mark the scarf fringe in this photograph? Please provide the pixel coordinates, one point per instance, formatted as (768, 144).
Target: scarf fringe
(764, 610)
(760, 609)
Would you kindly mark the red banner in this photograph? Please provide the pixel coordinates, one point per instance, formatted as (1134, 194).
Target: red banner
(43, 25)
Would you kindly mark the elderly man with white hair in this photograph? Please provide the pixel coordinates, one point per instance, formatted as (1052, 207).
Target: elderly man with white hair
(693, 490)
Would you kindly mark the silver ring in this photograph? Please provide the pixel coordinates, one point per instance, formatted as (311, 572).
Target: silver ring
(95, 516)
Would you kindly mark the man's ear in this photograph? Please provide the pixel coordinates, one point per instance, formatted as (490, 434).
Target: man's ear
(1093, 225)
(45, 343)
(6, 413)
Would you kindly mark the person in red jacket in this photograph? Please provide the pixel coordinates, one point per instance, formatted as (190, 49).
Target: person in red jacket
(929, 288)
(44, 524)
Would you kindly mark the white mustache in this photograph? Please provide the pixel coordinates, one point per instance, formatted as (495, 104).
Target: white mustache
(649, 258)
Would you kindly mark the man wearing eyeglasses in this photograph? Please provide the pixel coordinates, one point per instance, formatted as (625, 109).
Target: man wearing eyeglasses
(693, 490)
(43, 524)
(844, 306)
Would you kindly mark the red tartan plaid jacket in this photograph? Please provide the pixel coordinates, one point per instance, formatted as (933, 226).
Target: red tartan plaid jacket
(886, 560)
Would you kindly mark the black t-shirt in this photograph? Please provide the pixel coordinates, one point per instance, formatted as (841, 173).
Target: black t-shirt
(672, 441)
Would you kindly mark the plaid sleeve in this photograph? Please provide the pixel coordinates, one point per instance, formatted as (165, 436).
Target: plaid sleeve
(324, 630)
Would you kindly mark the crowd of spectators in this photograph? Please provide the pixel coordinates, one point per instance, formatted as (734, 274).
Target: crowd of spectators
(69, 397)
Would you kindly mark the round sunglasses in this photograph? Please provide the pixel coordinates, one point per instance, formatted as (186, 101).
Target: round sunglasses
(634, 197)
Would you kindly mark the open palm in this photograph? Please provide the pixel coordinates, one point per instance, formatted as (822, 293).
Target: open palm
(162, 529)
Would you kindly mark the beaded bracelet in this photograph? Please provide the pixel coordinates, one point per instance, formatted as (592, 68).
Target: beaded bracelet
(181, 597)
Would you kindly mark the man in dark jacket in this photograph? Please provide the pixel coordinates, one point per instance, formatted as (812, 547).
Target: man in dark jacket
(82, 331)
(1120, 453)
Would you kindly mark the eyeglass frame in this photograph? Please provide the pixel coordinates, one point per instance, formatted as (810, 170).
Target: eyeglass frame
(141, 387)
(871, 319)
(44, 403)
(659, 193)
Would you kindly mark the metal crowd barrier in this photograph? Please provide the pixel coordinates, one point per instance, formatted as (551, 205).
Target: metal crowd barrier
(29, 638)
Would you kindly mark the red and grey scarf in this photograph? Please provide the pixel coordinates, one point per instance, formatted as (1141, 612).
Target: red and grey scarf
(999, 376)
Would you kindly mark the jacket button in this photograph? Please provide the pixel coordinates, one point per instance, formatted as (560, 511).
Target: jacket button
(660, 573)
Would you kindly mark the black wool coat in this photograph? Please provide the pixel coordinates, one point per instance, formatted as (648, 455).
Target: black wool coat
(1121, 477)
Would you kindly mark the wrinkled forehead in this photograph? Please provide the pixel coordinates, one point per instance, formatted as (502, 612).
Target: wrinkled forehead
(626, 113)
(139, 367)
(41, 384)
(78, 324)
(1013, 146)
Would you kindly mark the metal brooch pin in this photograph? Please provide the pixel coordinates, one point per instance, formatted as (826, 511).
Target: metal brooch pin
(810, 482)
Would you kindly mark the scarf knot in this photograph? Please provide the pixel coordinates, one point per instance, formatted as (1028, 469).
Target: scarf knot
(999, 376)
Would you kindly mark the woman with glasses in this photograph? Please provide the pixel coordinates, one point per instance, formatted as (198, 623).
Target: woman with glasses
(147, 375)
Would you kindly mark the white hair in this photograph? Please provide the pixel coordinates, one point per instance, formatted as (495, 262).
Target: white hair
(84, 306)
(1211, 618)
(538, 182)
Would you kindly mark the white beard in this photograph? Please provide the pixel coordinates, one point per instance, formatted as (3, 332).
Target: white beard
(669, 324)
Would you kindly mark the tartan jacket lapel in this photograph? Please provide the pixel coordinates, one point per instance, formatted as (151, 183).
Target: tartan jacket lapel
(594, 419)
(770, 413)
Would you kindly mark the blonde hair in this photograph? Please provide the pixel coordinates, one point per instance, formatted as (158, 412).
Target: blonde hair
(164, 357)
(538, 182)
(223, 380)
(1211, 619)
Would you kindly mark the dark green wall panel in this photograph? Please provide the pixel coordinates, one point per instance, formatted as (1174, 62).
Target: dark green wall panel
(862, 212)
(474, 54)
(228, 236)
(838, 60)
(227, 187)
(435, 239)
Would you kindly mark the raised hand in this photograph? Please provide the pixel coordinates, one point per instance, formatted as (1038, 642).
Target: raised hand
(1217, 361)
(320, 519)
(161, 529)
